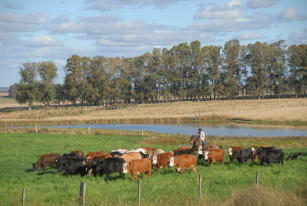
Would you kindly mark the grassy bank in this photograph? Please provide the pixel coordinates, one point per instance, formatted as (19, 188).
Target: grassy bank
(266, 112)
(223, 184)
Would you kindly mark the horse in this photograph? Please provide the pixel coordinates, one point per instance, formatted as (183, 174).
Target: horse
(197, 145)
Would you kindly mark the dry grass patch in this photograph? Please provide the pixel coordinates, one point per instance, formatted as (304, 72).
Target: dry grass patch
(267, 196)
(286, 111)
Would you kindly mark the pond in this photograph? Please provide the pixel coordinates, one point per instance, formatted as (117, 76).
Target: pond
(189, 129)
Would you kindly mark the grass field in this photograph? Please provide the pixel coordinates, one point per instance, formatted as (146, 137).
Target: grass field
(268, 111)
(229, 184)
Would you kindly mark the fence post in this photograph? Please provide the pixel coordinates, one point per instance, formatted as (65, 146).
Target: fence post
(139, 192)
(82, 193)
(89, 129)
(23, 197)
(36, 128)
(200, 192)
(142, 132)
(257, 179)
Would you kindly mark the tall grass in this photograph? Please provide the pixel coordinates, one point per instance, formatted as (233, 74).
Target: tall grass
(165, 187)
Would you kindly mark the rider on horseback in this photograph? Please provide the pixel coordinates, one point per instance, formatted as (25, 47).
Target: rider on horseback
(201, 135)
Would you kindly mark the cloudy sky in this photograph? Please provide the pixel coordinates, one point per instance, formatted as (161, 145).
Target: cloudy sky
(35, 30)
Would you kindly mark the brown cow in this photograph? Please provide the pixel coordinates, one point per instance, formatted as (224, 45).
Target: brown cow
(214, 155)
(46, 160)
(89, 158)
(232, 150)
(138, 166)
(128, 157)
(162, 160)
(182, 162)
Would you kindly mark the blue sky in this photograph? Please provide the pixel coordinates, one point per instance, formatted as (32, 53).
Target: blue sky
(33, 30)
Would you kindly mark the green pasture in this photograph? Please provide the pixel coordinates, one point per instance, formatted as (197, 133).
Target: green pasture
(165, 187)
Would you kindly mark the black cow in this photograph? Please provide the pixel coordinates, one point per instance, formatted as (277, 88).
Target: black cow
(109, 166)
(63, 159)
(271, 156)
(260, 149)
(243, 155)
(72, 166)
(185, 151)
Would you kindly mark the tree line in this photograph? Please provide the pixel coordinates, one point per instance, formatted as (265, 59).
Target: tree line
(187, 71)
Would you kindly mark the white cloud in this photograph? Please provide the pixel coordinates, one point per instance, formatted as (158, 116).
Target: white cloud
(44, 41)
(299, 37)
(211, 13)
(230, 10)
(17, 22)
(255, 21)
(107, 5)
(257, 4)
(12, 6)
(250, 36)
(234, 3)
(292, 14)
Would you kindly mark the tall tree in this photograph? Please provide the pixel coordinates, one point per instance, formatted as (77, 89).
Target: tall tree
(27, 89)
(212, 64)
(75, 82)
(259, 60)
(232, 68)
(278, 68)
(47, 71)
(297, 58)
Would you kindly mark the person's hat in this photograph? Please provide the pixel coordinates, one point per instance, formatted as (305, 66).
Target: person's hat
(199, 129)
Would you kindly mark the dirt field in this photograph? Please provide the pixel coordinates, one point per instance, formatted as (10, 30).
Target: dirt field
(276, 110)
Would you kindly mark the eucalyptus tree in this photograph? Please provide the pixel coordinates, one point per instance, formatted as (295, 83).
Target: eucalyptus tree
(47, 72)
(98, 87)
(172, 73)
(27, 88)
(199, 77)
(259, 60)
(75, 82)
(212, 63)
(297, 61)
(59, 93)
(278, 68)
(231, 67)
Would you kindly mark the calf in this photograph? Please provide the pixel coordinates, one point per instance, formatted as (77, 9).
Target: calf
(46, 160)
(232, 150)
(214, 155)
(271, 156)
(182, 162)
(162, 160)
(243, 155)
(109, 166)
(139, 166)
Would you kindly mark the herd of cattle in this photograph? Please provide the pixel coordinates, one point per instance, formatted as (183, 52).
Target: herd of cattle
(142, 160)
